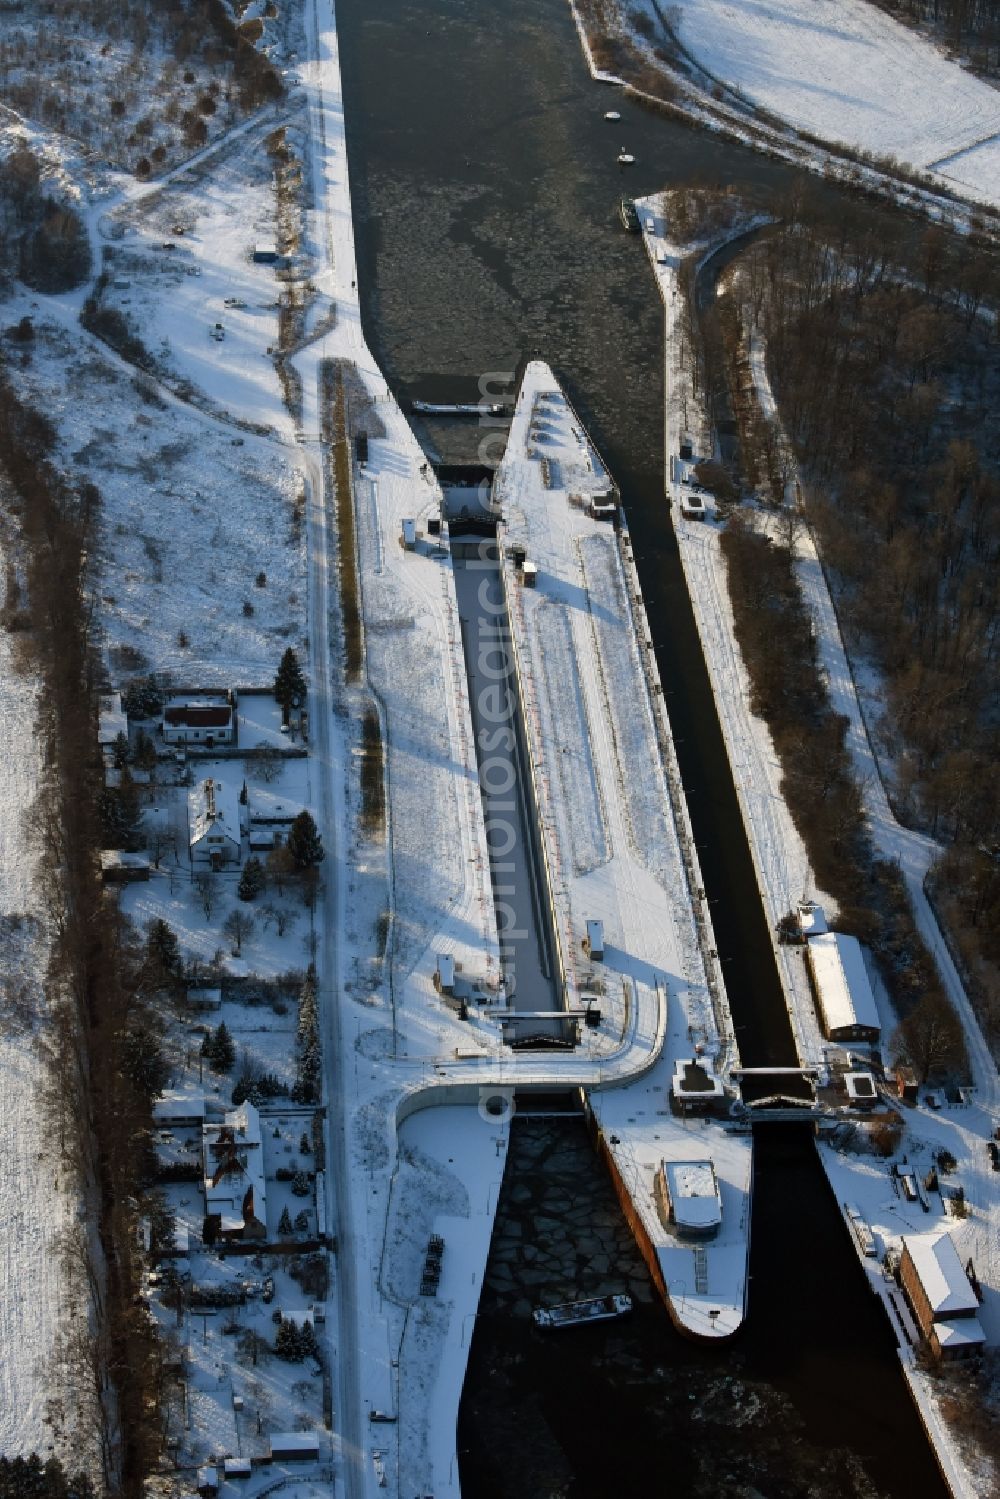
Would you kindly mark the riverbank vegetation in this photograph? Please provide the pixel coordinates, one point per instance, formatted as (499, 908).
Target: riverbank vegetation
(137, 85)
(104, 1065)
(882, 349)
(970, 28)
(337, 440)
(43, 241)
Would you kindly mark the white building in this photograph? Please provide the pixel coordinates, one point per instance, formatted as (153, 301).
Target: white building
(843, 990)
(234, 1173)
(294, 1446)
(177, 1110)
(214, 823)
(812, 919)
(208, 719)
(111, 721)
(688, 1198)
(941, 1295)
(694, 1086)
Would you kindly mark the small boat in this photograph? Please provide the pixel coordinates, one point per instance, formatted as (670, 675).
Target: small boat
(458, 408)
(625, 158)
(612, 114)
(576, 1313)
(628, 215)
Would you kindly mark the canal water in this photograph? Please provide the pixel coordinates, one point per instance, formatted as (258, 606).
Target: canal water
(485, 190)
(526, 938)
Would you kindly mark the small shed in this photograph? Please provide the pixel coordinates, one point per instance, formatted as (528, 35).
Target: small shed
(812, 919)
(112, 719)
(179, 1110)
(530, 574)
(208, 1480)
(687, 1194)
(595, 940)
(294, 1446)
(695, 1088)
(861, 1090)
(409, 535)
(237, 1469)
(446, 973)
(904, 1081)
(205, 997)
(265, 252)
(603, 506)
(120, 868)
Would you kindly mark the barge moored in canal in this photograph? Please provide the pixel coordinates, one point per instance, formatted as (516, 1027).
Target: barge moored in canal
(576, 1313)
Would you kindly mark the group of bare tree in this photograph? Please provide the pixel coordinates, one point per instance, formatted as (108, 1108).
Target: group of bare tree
(42, 237)
(104, 1064)
(883, 347)
(138, 84)
(969, 26)
(882, 342)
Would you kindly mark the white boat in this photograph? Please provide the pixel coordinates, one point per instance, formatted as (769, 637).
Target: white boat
(625, 158)
(612, 114)
(575, 1313)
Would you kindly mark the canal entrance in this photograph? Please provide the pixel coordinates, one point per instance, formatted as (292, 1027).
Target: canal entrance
(486, 189)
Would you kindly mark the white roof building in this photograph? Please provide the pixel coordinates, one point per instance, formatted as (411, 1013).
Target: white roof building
(959, 1336)
(843, 989)
(941, 1274)
(179, 1109)
(234, 1171)
(214, 822)
(112, 720)
(692, 1197)
(812, 919)
(694, 1083)
(294, 1446)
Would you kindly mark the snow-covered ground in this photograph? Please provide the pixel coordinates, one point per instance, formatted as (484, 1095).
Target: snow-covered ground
(177, 299)
(844, 71)
(192, 513)
(38, 1205)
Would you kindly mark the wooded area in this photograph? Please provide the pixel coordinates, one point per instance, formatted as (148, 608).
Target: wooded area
(101, 1034)
(970, 26)
(883, 345)
(133, 83)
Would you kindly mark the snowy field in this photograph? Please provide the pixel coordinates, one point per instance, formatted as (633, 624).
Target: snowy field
(174, 298)
(847, 73)
(190, 517)
(35, 1208)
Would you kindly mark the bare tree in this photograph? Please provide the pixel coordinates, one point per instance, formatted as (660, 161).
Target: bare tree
(239, 928)
(205, 886)
(930, 1038)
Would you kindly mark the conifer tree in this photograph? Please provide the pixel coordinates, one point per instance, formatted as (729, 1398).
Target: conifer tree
(289, 683)
(304, 842)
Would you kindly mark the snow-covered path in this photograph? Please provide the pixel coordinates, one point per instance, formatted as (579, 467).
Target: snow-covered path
(846, 72)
